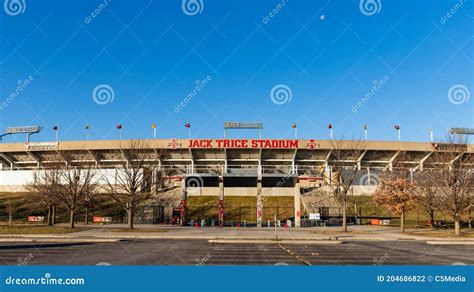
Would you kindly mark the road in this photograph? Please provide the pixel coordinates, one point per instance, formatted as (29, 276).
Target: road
(202, 252)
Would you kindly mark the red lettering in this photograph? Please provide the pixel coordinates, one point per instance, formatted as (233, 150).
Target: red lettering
(293, 144)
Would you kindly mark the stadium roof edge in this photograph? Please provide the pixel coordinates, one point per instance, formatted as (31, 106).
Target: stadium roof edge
(218, 144)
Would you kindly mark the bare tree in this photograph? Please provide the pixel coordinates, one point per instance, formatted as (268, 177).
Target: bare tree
(425, 195)
(136, 180)
(89, 203)
(453, 177)
(77, 185)
(11, 207)
(44, 191)
(345, 163)
(396, 192)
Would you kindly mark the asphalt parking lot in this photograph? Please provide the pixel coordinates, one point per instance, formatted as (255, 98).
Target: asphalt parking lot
(202, 252)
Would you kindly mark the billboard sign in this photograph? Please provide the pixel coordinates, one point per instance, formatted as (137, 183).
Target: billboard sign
(238, 125)
(314, 216)
(20, 130)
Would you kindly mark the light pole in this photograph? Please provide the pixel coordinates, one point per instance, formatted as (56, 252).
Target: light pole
(397, 127)
(87, 127)
(330, 131)
(56, 130)
(188, 125)
(119, 128)
(294, 126)
(153, 126)
(431, 135)
(366, 134)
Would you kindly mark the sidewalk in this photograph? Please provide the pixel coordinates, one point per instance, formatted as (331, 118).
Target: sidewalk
(316, 234)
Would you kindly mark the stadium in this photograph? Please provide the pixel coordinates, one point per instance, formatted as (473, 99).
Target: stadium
(250, 182)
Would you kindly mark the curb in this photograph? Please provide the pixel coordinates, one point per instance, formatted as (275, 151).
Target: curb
(451, 242)
(269, 241)
(57, 240)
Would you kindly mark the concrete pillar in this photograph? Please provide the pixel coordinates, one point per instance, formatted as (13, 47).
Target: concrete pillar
(221, 188)
(259, 202)
(221, 208)
(297, 205)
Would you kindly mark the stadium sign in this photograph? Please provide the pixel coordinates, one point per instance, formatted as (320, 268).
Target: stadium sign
(42, 146)
(19, 130)
(449, 147)
(242, 143)
(238, 125)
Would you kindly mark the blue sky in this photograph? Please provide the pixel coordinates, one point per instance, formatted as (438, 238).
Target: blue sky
(223, 62)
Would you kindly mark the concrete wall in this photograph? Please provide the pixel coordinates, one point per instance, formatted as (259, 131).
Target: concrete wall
(17, 180)
(240, 192)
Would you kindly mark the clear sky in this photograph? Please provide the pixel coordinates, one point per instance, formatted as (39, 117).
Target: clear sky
(390, 62)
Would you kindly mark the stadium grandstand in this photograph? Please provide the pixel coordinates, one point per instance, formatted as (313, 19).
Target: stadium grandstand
(258, 179)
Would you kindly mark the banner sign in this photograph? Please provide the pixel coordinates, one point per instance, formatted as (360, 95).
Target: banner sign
(35, 218)
(243, 143)
(42, 146)
(97, 219)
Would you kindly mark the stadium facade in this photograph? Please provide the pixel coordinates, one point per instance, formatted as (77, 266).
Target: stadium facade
(259, 171)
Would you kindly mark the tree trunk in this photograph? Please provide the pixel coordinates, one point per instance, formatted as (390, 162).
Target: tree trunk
(344, 216)
(402, 221)
(50, 211)
(86, 220)
(72, 218)
(9, 218)
(130, 218)
(470, 219)
(53, 219)
(457, 227)
(432, 218)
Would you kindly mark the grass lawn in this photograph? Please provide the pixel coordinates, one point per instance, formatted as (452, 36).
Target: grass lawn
(37, 229)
